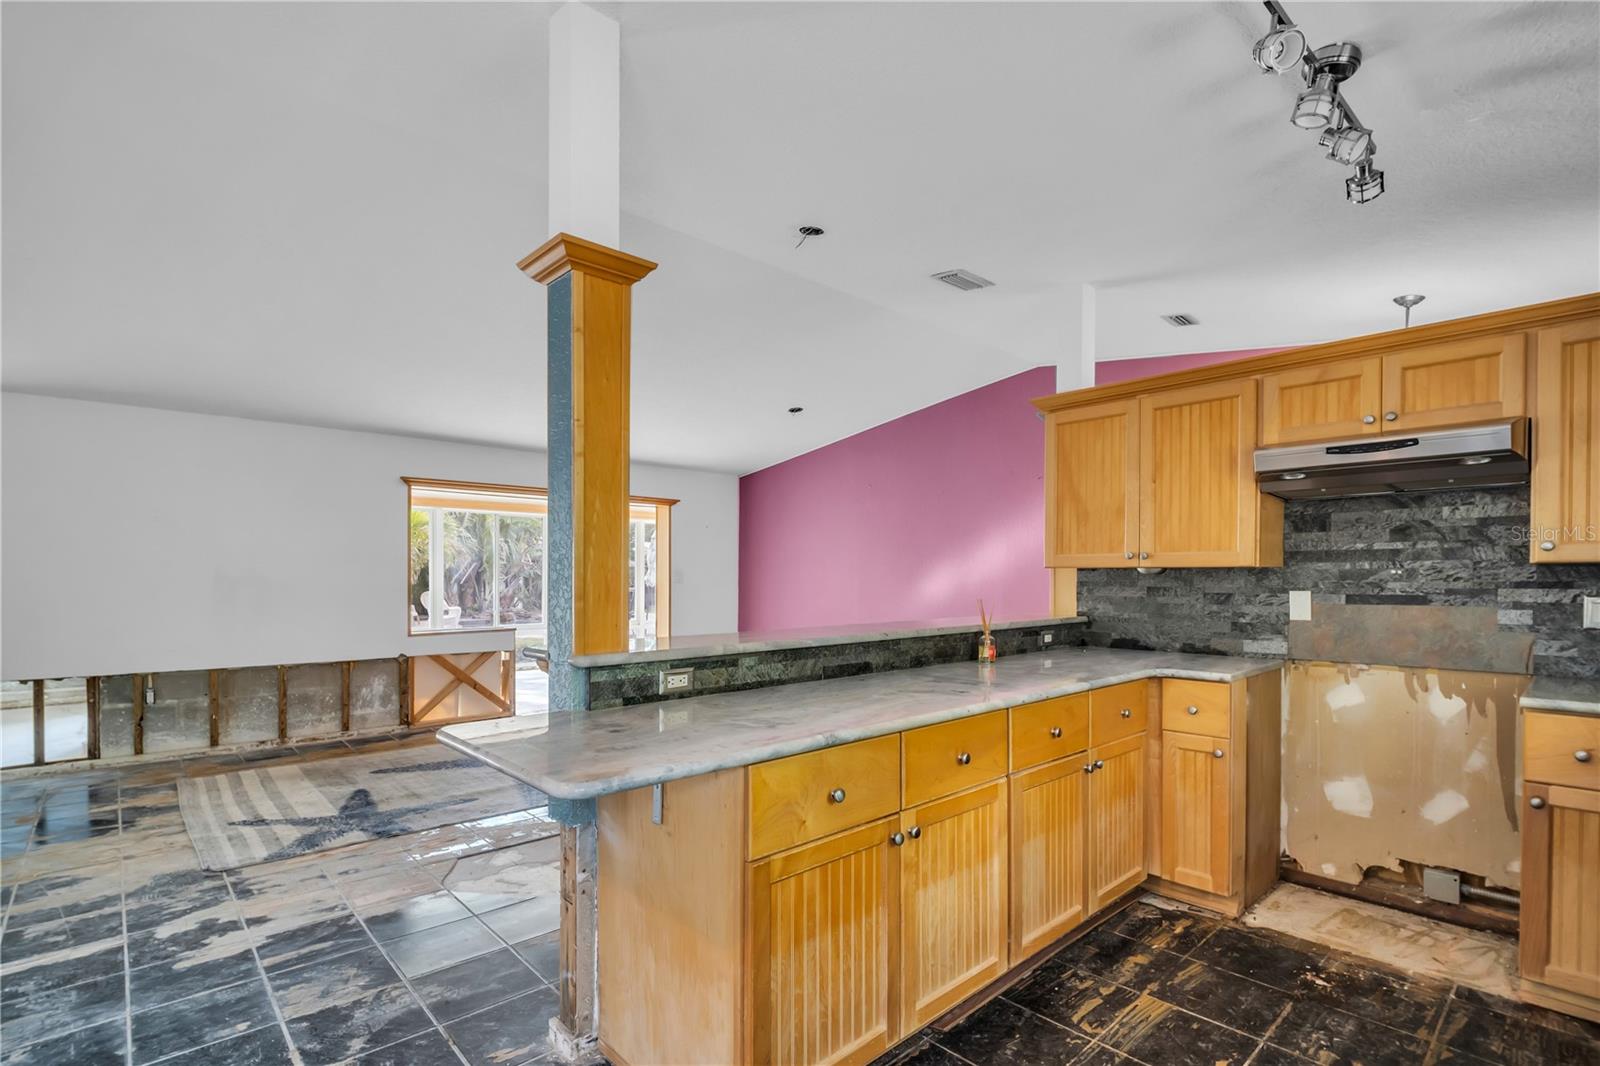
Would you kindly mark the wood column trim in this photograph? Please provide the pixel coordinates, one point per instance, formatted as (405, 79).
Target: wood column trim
(564, 252)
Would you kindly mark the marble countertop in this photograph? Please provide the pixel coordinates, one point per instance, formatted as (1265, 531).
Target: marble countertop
(1571, 694)
(580, 755)
(707, 645)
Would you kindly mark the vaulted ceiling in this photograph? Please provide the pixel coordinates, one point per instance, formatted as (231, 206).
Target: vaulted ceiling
(312, 212)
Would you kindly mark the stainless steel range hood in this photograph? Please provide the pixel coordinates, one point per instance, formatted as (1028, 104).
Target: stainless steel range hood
(1492, 454)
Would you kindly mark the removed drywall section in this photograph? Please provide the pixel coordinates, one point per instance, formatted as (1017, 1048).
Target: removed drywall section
(375, 694)
(1397, 765)
(312, 700)
(248, 705)
(179, 717)
(1416, 635)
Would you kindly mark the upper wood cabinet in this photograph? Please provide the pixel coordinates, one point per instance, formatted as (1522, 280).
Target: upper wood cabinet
(1475, 380)
(1566, 444)
(1322, 401)
(1198, 502)
(1091, 485)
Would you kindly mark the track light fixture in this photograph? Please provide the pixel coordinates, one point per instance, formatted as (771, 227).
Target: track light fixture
(1322, 106)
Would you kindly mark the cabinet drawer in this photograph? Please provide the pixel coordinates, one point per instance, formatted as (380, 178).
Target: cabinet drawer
(1195, 707)
(805, 797)
(1048, 730)
(1117, 712)
(946, 758)
(1551, 748)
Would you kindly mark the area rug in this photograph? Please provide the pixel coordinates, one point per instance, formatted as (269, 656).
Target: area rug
(279, 811)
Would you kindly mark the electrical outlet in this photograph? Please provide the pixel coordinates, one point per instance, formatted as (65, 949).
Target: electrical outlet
(676, 680)
(1591, 612)
(1046, 639)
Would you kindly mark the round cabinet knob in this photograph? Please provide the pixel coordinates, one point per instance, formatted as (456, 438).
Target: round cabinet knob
(1099, 764)
(837, 795)
(1055, 732)
(1144, 555)
(1537, 803)
(1088, 767)
(915, 832)
(1127, 555)
(1368, 419)
(1126, 713)
(964, 758)
(897, 839)
(1192, 710)
(1389, 416)
(1547, 545)
(1581, 755)
(1216, 753)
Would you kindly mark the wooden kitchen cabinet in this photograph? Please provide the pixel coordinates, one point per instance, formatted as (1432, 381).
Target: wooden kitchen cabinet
(1560, 917)
(1116, 819)
(954, 868)
(1565, 501)
(821, 931)
(1322, 401)
(1049, 879)
(1196, 812)
(1091, 483)
(1475, 380)
(1198, 502)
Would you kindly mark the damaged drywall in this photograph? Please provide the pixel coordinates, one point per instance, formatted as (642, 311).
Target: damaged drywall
(177, 713)
(247, 705)
(1387, 764)
(312, 699)
(375, 694)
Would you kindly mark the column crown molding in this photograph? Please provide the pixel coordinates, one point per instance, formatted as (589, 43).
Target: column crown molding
(564, 252)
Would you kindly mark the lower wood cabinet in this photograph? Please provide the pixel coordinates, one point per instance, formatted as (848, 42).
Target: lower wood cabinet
(953, 905)
(1196, 815)
(1116, 819)
(1049, 882)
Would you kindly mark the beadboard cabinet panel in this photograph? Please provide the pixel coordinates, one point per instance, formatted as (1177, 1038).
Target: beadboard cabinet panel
(1116, 819)
(1475, 380)
(1049, 880)
(1196, 814)
(1091, 486)
(1322, 402)
(1565, 502)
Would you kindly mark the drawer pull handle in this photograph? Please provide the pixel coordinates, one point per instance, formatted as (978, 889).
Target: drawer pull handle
(897, 839)
(1127, 713)
(1099, 764)
(1581, 755)
(915, 832)
(836, 796)
(1216, 753)
(964, 758)
(1055, 732)
(1192, 710)
(1537, 803)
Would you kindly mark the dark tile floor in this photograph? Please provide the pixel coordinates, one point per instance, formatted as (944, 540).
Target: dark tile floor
(435, 947)
(1165, 986)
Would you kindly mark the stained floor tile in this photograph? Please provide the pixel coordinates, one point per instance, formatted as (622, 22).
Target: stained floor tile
(475, 984)
(259, 1047)
(425, 1049)
(512, 1032)
(525, 920)
(1178, 931)
(30, 1014)
(301, 944)
(543, 953)
(202, 1019)
(443, 945)
(1083, 1001)
(398, 917)
(1008, 1035)
(1269, 960)
(1228, 998)
(1160, 1034)
(104, 1044)
(355, 1027)
(331, 981)
(500, 878)
(187, 975)
(1333, 1037)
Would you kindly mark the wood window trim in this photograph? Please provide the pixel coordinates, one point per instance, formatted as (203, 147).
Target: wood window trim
(457, 493)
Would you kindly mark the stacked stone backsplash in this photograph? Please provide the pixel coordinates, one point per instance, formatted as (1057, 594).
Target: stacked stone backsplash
(1466, 548)
(629, 683)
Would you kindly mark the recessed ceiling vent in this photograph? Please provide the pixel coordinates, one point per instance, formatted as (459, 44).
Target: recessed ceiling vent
(1180, 320)
(965, 280)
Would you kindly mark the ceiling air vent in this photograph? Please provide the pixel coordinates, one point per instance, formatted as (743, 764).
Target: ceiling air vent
(965, 280)
(1180, 320)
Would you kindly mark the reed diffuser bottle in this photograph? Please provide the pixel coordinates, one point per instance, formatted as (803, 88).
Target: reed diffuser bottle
(986, 640)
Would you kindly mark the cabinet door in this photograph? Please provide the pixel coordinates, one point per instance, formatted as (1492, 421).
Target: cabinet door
(1048, 879)
(1566, 445)
(1198, 504)
(1091, 472)
(1475, 380)
(1322, 402)
(820, 939)
(953, 872)
(1560, 884)
(1196, 838)
(1116, 820)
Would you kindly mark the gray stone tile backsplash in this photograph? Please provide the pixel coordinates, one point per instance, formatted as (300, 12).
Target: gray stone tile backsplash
(1465, 548)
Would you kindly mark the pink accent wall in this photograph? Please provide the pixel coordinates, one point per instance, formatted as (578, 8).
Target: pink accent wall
(1113, 370)
(912, 520)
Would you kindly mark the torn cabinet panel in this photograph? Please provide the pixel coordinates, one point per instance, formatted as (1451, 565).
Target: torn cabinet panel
(1384, 764)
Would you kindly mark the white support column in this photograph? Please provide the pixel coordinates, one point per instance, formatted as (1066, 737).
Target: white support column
(1086, 346)
(586, 125)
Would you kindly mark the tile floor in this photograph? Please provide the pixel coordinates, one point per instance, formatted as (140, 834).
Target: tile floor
(1164, 986)
(440, 947)
(435, 947)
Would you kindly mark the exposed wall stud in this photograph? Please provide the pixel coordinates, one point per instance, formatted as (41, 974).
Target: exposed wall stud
(138, 714)
(405, 691)
(91, 694)
(38, 722)
(214, 693)
(283, 703)
(344, 696)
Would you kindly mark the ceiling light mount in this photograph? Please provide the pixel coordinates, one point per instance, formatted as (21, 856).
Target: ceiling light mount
(807, 232)
(1411, 299)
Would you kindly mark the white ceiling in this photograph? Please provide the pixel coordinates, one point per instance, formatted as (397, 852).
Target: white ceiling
(311, 212)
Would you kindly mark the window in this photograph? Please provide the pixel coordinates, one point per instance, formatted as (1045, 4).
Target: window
(488, 545)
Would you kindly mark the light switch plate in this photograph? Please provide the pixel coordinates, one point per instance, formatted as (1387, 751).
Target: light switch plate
(1591, 612)
(1300, 606)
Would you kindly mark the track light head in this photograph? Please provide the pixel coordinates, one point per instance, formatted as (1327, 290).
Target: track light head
(1365, 186)
(1281, 50)
(1314, 108)
(1347, 143)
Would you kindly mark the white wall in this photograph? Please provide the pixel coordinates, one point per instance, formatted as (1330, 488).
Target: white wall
(137, 539)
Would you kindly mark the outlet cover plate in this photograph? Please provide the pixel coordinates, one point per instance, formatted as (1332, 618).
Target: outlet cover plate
(676, 680)
(1300, 606)
(1591, 612)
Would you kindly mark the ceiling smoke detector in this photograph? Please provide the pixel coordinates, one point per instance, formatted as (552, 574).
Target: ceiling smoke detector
(965, 280)
(1180, 320)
